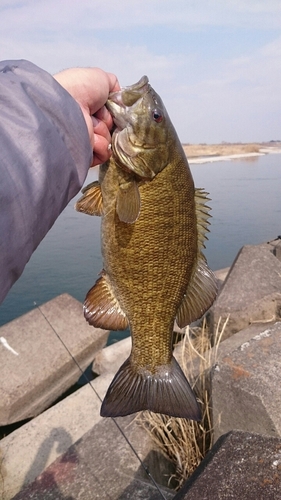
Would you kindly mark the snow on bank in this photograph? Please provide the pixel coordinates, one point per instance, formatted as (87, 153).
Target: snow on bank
(211, 159)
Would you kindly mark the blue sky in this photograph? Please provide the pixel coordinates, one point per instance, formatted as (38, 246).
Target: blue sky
(215, 63)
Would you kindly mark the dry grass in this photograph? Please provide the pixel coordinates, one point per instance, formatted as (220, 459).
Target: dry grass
(186, 442)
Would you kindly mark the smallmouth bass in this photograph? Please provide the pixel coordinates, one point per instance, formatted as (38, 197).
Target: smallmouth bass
(153, 229)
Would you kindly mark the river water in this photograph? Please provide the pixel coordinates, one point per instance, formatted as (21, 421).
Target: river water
(246, 209)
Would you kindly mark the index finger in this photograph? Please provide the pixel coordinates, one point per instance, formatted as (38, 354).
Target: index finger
(104, 115)
(114, 83)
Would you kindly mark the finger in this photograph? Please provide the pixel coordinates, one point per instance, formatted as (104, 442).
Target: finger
(98, 89)
(101, 151)
(101, 129)
(114, 85)
(104, 115)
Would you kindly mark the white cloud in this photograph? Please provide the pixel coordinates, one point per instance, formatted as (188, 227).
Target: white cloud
(94, 15)
(210, 96)
(242, 103)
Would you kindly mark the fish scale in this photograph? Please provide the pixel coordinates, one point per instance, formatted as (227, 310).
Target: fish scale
(155, 243)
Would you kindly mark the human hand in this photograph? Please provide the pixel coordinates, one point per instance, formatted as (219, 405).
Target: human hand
(90, 88)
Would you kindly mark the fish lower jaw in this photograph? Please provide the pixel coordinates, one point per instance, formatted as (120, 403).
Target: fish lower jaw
(119, 122)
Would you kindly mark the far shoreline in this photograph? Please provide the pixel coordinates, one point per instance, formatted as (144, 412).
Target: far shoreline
(209, 153)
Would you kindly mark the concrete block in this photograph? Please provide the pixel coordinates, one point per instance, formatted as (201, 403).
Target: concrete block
(277, 250)
(101, 465)
(221, 275)
(251, 292)
(210, 358)
(109, 359)
(246, 385)
(38, 369)
(29, 450)
(242, 466)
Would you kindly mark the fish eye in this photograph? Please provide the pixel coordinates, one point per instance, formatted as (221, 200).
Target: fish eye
(157, 115)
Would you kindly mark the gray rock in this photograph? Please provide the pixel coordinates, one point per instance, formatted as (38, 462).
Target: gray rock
(251, 291)
(246, 385)
(30, 449)
(277, 250)
(39, 369)
(109, 359)
(101, 465)
(221, 275)
(240, 466)
(207, 360)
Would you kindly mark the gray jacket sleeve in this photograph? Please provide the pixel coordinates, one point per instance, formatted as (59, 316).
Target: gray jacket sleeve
(45, 154)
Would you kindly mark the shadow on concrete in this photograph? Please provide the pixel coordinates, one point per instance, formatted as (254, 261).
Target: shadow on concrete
(40, 485)
(142, 486)
(139, 490)
(161, 469)
(58, 436)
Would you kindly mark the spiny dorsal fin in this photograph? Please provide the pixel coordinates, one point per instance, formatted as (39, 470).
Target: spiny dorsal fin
(91, 201)
(128, 202)
(202, 288)
(166, 391)
(202, 215)
(102, 309)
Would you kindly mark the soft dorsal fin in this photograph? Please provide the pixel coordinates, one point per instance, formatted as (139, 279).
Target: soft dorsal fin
(128, 202)
(101, 307)
(202, 288)
(91, 201)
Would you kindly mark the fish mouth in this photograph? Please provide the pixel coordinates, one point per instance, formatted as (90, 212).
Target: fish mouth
(120, 102)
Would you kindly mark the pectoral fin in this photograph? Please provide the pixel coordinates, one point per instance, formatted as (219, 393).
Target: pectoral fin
(128, 202)
(91, 201)
(102, 309)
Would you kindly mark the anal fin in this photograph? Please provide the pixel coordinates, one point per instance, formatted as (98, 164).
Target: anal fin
(200, 294)
(102, 309)
(91, 201)
(166, 391)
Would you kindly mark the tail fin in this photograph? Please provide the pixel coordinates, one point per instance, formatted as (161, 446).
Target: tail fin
(167, 391)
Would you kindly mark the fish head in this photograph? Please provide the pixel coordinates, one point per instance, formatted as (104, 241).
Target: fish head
(140, 141)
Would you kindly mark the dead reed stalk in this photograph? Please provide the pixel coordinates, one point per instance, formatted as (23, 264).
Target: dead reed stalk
(186, 442)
